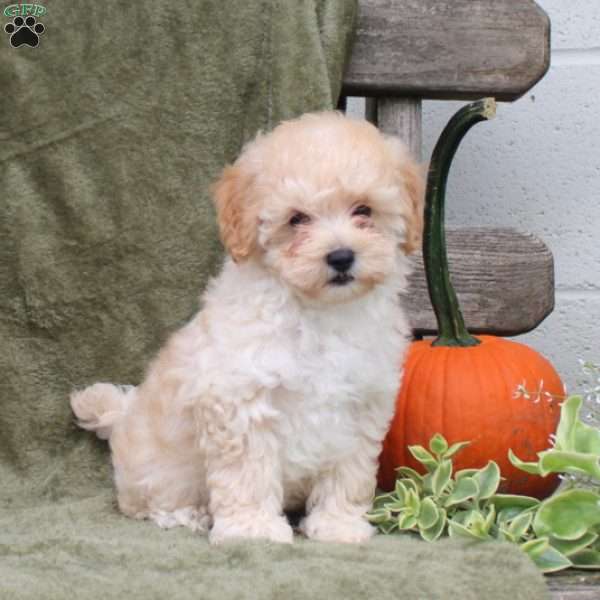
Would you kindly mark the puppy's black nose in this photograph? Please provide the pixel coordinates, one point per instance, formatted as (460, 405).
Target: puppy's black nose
(341, 260)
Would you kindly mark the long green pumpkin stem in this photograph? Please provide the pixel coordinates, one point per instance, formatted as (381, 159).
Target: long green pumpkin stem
(451, 325)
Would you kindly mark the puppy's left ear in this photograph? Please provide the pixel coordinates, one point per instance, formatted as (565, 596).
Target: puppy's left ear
(412, 179)
(236, 211)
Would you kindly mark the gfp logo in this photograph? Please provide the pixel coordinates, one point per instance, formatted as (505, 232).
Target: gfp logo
(25, 29)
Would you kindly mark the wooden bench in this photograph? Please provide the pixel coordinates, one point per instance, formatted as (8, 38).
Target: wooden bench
(410, 50)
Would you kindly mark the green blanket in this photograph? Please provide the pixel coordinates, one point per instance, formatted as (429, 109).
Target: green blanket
(111, 130)
(85, 550)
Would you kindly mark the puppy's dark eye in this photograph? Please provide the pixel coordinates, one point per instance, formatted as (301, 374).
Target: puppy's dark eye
(299, 219)
(363, 210)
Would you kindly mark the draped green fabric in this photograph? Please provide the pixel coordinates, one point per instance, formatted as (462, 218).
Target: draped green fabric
(111, 131)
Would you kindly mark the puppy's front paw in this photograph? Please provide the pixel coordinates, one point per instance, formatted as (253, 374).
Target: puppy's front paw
(251, 526)
(327, 527)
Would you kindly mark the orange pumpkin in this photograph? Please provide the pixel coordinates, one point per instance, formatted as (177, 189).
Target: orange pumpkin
(463, 386)
(468, 393)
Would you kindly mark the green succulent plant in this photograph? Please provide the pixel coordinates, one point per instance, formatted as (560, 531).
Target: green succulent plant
(559, 532)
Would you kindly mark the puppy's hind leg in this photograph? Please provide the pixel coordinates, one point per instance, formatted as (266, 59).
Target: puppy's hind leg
(158, 477)
(169, 501)
(170, 494)
(159, 472)
(195, 518)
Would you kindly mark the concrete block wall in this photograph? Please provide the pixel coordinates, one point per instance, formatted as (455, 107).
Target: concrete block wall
(536, 167)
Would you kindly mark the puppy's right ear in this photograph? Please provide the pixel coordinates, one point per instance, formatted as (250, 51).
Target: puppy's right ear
(236, 212)
(411, 177)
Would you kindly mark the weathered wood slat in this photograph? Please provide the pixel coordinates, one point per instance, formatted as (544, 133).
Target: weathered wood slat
(581, 592)
(574, 585)
(371, 110)
(448, 49)
(504, 281)
(402, 117)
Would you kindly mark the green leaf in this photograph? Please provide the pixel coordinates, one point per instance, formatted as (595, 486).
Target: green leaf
(413, 504)
(463, 516)
(547, 558)
(478, 524)
(435, 531)
(502, 501)
(438, 444)
(488, 480)
(466, 489)
(454, 448)
(509, 506)
(507, 515)
(572, 435)
(587, 439)
(535, 548)
(427, 487)
(381, 500)
(400, 491)
(389, 527)
(552, 560)
(465, 473)
(428, 514)
(441, 477)
(424, 457)
(490, 519)
(569, 547)
(586, 559)
(378, 516)
(568, 515)
(410, 473)
(519, 525)
(528, 467)
(558, 461)
(456, 530)
(394, 506)
(569, 417)
(407, 521)
(410, 484)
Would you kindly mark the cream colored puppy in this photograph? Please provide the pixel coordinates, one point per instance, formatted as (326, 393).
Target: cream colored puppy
(278, 393)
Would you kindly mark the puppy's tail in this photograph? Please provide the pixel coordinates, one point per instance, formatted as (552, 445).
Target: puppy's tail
(101, 405)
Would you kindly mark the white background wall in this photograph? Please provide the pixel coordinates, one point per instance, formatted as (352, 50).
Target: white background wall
(536, 167)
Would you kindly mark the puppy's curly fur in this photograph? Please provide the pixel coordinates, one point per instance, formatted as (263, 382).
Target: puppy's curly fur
(278, 393)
